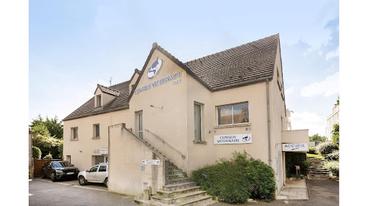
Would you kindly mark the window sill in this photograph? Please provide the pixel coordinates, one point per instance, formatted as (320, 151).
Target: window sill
(94, 138)
(73, 140)
(199, 142)
(233, 125)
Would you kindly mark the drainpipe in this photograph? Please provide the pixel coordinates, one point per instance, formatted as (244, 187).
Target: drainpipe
(268, 120)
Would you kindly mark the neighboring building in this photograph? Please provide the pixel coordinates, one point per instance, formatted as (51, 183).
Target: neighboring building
(332, 119)
(188, 115)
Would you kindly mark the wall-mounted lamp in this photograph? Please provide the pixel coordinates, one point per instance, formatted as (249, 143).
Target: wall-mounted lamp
(157, 107)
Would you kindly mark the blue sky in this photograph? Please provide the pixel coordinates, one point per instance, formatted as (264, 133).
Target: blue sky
(76, 44)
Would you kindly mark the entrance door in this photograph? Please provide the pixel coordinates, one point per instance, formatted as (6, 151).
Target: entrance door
(139, 123)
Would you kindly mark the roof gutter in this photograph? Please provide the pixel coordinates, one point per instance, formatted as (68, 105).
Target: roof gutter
(268, 120)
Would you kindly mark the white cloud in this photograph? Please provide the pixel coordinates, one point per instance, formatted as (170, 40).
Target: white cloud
(290, 91)
(332, 54)
(308, 120)
(327, 87)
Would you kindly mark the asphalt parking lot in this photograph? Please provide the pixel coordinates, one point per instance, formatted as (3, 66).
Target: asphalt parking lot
(45, 192)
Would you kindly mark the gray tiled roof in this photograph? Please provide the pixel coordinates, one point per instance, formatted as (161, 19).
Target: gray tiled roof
(88, 108)
(237, 66)
(108, 90)
(245, 64)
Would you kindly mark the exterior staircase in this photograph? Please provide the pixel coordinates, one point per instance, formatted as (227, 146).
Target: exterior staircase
(178, 190)
(316, 170)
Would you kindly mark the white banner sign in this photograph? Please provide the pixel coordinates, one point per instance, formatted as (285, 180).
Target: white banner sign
(301, 147)
(101, 151)
(232, 139)
(151, 162)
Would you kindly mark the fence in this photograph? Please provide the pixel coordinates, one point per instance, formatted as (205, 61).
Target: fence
(38, 165)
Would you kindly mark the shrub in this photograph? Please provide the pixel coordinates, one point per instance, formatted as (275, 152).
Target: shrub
(332, 166)
(333, 156)
(235, 180)
(312, 150)
(36, 152)
(327, 148)
(262, 183)
(47, 157)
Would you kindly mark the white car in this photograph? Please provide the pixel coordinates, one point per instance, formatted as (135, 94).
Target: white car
(97, 174)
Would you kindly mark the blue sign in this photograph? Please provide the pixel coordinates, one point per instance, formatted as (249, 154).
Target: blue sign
(155, 68)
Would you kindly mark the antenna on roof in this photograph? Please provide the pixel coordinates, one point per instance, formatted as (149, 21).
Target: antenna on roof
(110, 80)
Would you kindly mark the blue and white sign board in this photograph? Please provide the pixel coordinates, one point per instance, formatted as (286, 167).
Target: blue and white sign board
(150, 162)
(232, 139)
(299, 147)
(155, 67)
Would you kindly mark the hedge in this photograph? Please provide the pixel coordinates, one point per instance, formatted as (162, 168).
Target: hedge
(333, 156)
(36, 152)
(238, 179)
(327, 148)
(333, 167)
(48, 156)
(312, 150)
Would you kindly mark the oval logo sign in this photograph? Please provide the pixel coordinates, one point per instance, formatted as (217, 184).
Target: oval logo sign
(155, 67)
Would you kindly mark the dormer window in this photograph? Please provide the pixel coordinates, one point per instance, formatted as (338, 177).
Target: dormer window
(98, 100)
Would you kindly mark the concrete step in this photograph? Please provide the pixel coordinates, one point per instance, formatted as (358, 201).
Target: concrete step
(178, 180)
(200, 201)
(319, 172)
(318, 177)
(181, 198)
(165, 193)
(177, 186)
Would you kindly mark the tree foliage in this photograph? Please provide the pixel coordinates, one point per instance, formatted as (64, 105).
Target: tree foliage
(53, 125)
(47, 135)
(317, 138)
(336, 134)
(36, 152)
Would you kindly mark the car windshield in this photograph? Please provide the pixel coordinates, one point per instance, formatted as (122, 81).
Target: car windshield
(60, 164)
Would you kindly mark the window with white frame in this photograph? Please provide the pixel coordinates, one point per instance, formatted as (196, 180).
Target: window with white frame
(74, 133)
(232, 113)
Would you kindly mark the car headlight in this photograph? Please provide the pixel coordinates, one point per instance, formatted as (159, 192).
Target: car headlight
(59, 171)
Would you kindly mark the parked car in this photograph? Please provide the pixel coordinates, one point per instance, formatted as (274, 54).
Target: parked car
(96, 174)
(57, 170)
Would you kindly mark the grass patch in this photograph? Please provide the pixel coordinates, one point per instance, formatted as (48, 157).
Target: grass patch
(318, 156)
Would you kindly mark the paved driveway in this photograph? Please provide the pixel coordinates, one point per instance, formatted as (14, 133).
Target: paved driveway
(44, 192)
(321, 193)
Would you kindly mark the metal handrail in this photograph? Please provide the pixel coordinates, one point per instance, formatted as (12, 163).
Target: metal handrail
(166, 143)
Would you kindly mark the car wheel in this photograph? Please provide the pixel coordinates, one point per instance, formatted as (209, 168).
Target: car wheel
(106, 181)
(53, 177)
(82, 180)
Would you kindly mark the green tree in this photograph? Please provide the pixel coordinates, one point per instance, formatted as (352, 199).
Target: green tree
(47, 136)
(336, 134)
(53, 125)
(317, 138)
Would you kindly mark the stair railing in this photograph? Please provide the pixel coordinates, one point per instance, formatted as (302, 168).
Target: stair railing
(161, 140)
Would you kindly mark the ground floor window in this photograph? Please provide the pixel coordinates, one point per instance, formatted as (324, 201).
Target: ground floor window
(68, 158)
(96, 159)
(232, 113)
